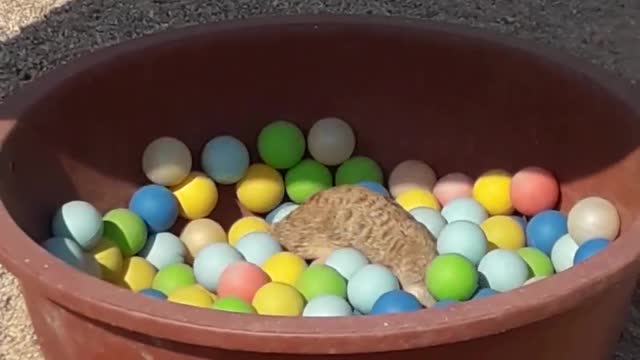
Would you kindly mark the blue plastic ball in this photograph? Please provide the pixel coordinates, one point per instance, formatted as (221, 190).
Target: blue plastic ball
(327, 305)
(157, 294)
(156, 205)
(430, 218)
(346, 261)
(79, 221)
(375, 187)
(211, 261)
(545, 228)
(503, 270)
(464, 208)
(465, 238)
(521, 220)
(483, 293)
(162, 249)
(395, 301)
(589, 249)
(225, 159)
(257, 247)
(280, 212)
(368, 284)
(444, 303)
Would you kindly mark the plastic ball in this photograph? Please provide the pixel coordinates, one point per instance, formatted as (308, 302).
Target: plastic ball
(327, 306)
(368, 284)
(346, 261)
(156, 205)
(375, 187)
(261, 189)
(225, 159)
(593, 217)
(319, 280)
(464, 208)
(453, 186)
(589, 248)
(444, 304)
(534, 189)
(414, 198)
(72, 254)
(331, 141)
(192, 295)
(166, 161)
(410, 175)
(278, 299)
(464, 238)
(358, 169)
(79, 221)
(538, 262)
(396, 301)
(172, 277)
(246, 225)
(503, 232)
(153, 293)
(545, 228)
(199, 233)
(483, 293)
(522, 221)
(126, 229)
(137, 274)
(233, 304)
(108, 255)
(432, 219)
(257, 247)
(197, 196)
(563, 252)
(163, 249)
(281, 144)
(306, 179)
(503, 270)
(211, 261)
(280, 212)
(284, 267)
(451, 277)
(241, 279)
(492, 190)
(534, 279)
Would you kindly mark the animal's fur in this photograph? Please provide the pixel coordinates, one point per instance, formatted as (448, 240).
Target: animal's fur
(353, 216)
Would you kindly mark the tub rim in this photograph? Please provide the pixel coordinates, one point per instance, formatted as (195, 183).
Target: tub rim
(106, 303)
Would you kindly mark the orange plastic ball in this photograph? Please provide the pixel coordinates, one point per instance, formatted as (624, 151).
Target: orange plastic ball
(534, 189)
(453, 186)
(242, 279)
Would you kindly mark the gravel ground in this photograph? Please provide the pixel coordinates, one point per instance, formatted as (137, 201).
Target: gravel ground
(37, 35)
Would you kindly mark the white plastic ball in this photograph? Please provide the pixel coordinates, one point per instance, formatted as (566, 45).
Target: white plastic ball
(257, 247)
(464, 238)
(593, 217)
(346, 261)
(368, 284)
(430, 218)
(162, 249)
(282, 211)
(79, 221)
(464, 208)
(166, 161)
(562, 253)
(327, 305)
(503, 270)
(331, 141)
(225, 159)
(211, 261)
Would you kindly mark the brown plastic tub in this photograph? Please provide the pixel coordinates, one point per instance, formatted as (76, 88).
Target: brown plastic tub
(460, 99)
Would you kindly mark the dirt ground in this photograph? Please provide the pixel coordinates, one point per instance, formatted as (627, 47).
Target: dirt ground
(37, 35)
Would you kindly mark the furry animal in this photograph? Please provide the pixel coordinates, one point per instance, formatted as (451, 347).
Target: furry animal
(353, 216)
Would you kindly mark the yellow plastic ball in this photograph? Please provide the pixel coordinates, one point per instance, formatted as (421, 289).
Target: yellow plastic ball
(137, 274)
(278, 299)
(492, 190)
(413, 198)
(261, 189)
(503, 232)
(284, 267)
(197, 195)
(109, 257)
(244, 226)
(193, 295)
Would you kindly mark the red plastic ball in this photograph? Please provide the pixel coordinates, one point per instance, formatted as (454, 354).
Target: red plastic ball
(534, 189)
(241, 279)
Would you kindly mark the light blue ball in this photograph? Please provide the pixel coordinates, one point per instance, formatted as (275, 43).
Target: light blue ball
(257, 247)
(503, 270)
(368, 284)
(280, 212)
(464, 208)
(375, 187)
(432, 219)
(72, 254)
(563, 252)
(211, 261)
(79, 221)
(589, 249)
(465, 238)
(163, 249)
(156, 205)
(346, 261)
(225, 159)
(153, 293)
(327, 305)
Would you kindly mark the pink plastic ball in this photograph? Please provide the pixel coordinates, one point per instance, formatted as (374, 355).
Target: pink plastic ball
(534, 189)
(242, 279)
(453, 186)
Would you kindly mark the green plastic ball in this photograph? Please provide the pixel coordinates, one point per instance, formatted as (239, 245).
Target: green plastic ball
(358, 169)
(233, 304)
(281, 144)
(319, 280)
(306, 179)
(126, 229)
(538, 262)
(451, 277)
(172, 277)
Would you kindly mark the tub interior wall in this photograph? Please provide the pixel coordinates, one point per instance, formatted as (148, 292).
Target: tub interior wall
(458, 107)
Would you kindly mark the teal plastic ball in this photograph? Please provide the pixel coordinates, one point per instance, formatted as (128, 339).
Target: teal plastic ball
(503, 270)
(72, 254)
(346, 261)
(256, 247)
(79, 221)
(327, 305)
(563, 252)
(163, 249)
(368, 284)
(464, 208)
(280, 212)
(465, 238)
(432, 219)
(225, 159)
(211, 261)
